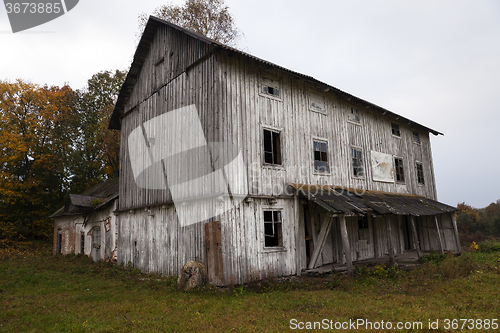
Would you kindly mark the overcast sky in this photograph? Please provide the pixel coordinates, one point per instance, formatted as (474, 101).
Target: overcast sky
(435, 62)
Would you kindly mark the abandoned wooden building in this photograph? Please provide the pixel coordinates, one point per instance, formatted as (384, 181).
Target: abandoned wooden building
(311, 175)
(86, 224)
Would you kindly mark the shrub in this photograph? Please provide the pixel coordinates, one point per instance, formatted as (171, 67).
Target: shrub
(434, 257)
(488, 246)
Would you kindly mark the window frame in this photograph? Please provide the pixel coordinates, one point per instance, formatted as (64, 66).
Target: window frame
(396, 170)
(355, 148)
(275, 83)
(419, 141)
(317, 98)
(278, 131)
(398, 135)
(358, 122)
(281, 239)
(327, 142)
(417, 164)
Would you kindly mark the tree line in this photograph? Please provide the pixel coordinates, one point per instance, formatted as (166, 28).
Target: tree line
(480, 222)
(53, 141)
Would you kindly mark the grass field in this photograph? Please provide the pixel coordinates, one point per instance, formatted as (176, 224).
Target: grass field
(43, 293)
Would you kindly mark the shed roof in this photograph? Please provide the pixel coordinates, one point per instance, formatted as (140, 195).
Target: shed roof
(145, 44)
(349, 201)
(94, 198)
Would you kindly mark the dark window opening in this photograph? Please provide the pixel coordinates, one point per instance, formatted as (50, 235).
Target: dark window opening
(59, 241)
(400, 175)
(271, 91)
(321, 157)
(272, 228)
(82, 242)
(420, 174)
(416, 137)
(395, 129)
(272, 147)
(357, 162)
(363, 228)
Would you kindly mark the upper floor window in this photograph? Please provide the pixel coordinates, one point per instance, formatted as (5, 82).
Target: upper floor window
(273, 236)
(395, 130)
(416, 137)
(271, 87)
(321, 156)
(420, 173)
(353, 115)
(316, 103)
(398, 166)
(357, 162)
(272, 147)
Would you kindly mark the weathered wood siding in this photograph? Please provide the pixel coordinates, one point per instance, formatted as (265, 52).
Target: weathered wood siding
(299, 125)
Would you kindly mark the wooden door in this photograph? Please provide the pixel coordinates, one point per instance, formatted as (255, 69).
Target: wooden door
(213, 253)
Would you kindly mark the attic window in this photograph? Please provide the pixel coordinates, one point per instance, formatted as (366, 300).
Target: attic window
(272, 147)
(353, 115)
(395, 130)
(420, 173)
(273, 236)
(316, 103)
(270, 87)
(398, 166)
(416, 137)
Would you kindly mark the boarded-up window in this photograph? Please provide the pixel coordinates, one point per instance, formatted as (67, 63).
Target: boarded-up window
(398, 166)
(357, 162)
(395, 129)
(272, 147)
(382, 167)
(420, 173)
(416, 137)
(353, 115)
(316, 103)
(273, 236)
(321, 156)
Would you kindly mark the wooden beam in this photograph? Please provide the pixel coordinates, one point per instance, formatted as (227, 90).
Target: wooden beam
(345, 245)
(318, 246)
(457, 238)
(390, 247)
(415, 236)
(441, 248)
(376, 251)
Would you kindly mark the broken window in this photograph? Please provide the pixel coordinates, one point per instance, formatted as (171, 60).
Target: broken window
(270, 87)
(273, 236)
(357, 162)
(321, 156)
(272, 147)
(398, 166)
(416, 137)
(395, 129)
(420, 173)
(82, 242)
(353, 115)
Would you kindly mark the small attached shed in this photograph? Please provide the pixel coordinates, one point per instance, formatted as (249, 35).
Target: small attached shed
(87, 225)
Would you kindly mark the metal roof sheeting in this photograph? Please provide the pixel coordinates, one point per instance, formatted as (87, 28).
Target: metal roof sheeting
(145, 44)
(351, 201)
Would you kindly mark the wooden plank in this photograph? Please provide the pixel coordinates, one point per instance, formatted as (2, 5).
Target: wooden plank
(318, 246)
(346, 246)
(441, 248)
(455, 229)
(213, 253)
(390, 247)
(415, 236)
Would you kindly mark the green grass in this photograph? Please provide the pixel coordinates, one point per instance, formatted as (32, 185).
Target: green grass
(43, 293)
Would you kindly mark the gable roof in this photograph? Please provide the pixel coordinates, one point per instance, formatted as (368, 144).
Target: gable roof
(92, 199)
(145, 44)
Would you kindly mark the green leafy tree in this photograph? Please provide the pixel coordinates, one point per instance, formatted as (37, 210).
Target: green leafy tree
(210, 18)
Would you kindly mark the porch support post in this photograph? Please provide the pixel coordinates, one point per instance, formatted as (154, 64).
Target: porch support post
(441, 248)
(318, 247)
(390, 246)
(345, 245)
(415, 236)
(457, 238)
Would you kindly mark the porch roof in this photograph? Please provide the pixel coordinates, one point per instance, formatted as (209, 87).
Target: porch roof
(350, 201)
